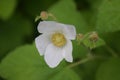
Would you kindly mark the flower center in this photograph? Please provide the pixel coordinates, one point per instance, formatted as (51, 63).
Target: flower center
(58, 39)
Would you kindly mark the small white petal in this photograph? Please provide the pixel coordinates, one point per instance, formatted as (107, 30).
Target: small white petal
(70, 32)
(49, 26)
(42, 42)
(53, 55)
(68, 51)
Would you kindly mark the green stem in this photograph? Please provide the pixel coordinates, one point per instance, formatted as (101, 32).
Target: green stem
(80, 62)
(90, 57)
(113, 53)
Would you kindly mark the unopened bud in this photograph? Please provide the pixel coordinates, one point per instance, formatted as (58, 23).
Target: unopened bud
(93, 37)
(79, 36)
(44, 15)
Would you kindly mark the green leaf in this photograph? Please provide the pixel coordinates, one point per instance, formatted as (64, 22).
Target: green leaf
(112, 40)
(25, 63)
(34, 7)
(7, 8)
(90, 12)
(109, 16)
(65, 12)
(88, 70)
(109, 70)
(79, 51)
(13, 33)
(66, 74)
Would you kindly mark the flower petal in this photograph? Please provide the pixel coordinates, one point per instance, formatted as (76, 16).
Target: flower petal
(52, 26)
(53, 55)
(42, 42)
(70, 32)
(68, 51)
(49, 26)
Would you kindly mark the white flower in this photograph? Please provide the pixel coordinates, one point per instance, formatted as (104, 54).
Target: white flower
(55, 42)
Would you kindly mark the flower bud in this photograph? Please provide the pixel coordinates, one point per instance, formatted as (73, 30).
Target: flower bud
(93, 37)
(44, 15)
(79, 36)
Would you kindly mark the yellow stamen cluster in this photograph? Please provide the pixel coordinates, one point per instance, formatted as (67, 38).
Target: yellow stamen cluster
(58, 39)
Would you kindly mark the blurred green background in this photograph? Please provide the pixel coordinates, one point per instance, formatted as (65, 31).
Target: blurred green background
(17, 26)
(19, 59)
